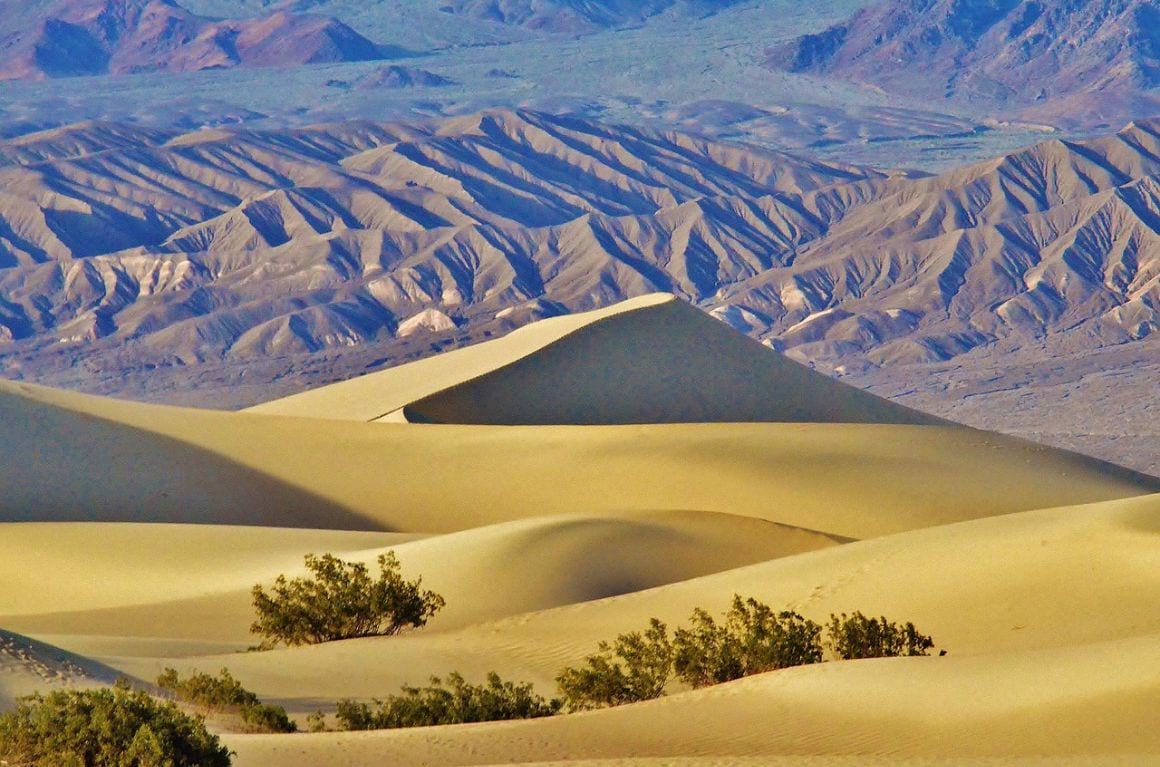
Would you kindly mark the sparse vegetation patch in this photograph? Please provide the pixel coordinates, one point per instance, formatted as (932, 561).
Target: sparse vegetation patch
(636, 666)
(117, 727)
(856, 636)
(225, 694)
(752, 639)
(450, 701)
(340, 600)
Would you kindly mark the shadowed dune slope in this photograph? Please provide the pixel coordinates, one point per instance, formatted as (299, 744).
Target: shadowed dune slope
(28, 666)
(67, 456)
(132, 463)
(379, 395)
(648, 360)
(1074, 701)
(166, 584)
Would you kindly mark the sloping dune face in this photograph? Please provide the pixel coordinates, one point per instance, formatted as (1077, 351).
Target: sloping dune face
(668, 363)
(568, 483)
(852, 480)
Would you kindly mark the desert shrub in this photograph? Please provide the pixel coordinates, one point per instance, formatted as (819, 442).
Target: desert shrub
(752, 639)
(451, 702)
(353, 715)
(116, 727)
(341, 601)
(316, 722)
(266, 717)
(209, 692)
(856, 636)
(635, 667)
(224, 693)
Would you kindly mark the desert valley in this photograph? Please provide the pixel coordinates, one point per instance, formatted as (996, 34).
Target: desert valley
(705, 382)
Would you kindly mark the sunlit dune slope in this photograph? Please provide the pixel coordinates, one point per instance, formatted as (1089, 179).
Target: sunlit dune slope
(184, 582)
(648, 360)
(70, 457)
(1010, 584)
(1093, 699)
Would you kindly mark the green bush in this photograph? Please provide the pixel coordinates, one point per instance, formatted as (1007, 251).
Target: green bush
(211, 693)
(451, 702)
(223, 693)
(635, 667)
(341, 601)
(116, 727)
(856, 636)
(266, 717)
(752, 639)
(316, 722)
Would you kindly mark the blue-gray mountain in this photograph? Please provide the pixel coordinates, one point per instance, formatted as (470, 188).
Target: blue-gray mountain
(70, 38)
(1067, 61)
(575, 16)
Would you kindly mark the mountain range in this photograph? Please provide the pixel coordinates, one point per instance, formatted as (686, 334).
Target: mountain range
(208, 63)
(574, 16)
(1095, 61)
(71, 38)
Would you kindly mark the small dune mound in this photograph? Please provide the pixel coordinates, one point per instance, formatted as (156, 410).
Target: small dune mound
(536, 564)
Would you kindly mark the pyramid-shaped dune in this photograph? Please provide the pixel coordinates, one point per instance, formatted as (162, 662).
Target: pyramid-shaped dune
(653, 359)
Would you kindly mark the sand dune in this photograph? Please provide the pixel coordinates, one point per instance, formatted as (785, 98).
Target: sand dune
(1037, 570)
(378, 395)
(139, 463)
(1095, 699)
